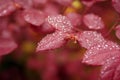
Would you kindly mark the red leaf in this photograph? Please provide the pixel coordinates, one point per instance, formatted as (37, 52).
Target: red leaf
(89, 3)
(6, 7)
(24, 3)
(98, 53)
(39, 2)
(51, 41)
(110, 68)
(116, 5)
(93, 21)
(117, 31)
(101, 52)
(117, 73)
(60, 23)
(74, 18)
(47, 28)
(64, 2)
(7, 46)
(34, 17)
(51, 9)
(105, 53)
(3, 24)
(88, 39)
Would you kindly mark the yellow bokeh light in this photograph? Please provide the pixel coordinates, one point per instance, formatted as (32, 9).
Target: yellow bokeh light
(77, 4)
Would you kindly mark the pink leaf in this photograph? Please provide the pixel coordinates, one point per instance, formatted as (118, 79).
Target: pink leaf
(60, 23)
(39, 2)
(51, 41)
(24, 3)
(117, 73)
(64, 2)
(7, 46)
(47, 28)
(3, 23)
(88, 39)
(51, 9)
(97, 54)
(34, 17)
(100, 52)
(117, 31)
(110, 68)
(93, 21)
(116, 5)
(74, 18)
(6, 7)
(89, 3)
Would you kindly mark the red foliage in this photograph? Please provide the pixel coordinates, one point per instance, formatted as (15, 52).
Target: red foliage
(77, 25)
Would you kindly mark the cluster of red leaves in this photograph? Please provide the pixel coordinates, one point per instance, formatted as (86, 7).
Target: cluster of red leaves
(100, 51)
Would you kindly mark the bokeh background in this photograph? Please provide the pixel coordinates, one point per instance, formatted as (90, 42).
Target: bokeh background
(64, 63)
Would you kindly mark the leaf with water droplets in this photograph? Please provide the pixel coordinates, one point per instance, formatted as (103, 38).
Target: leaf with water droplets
(93, 21)
(103, 52)
(51, 41)
(98, 53)
(89, 38)
(110, 69)
(60, 23)
(117, 73)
